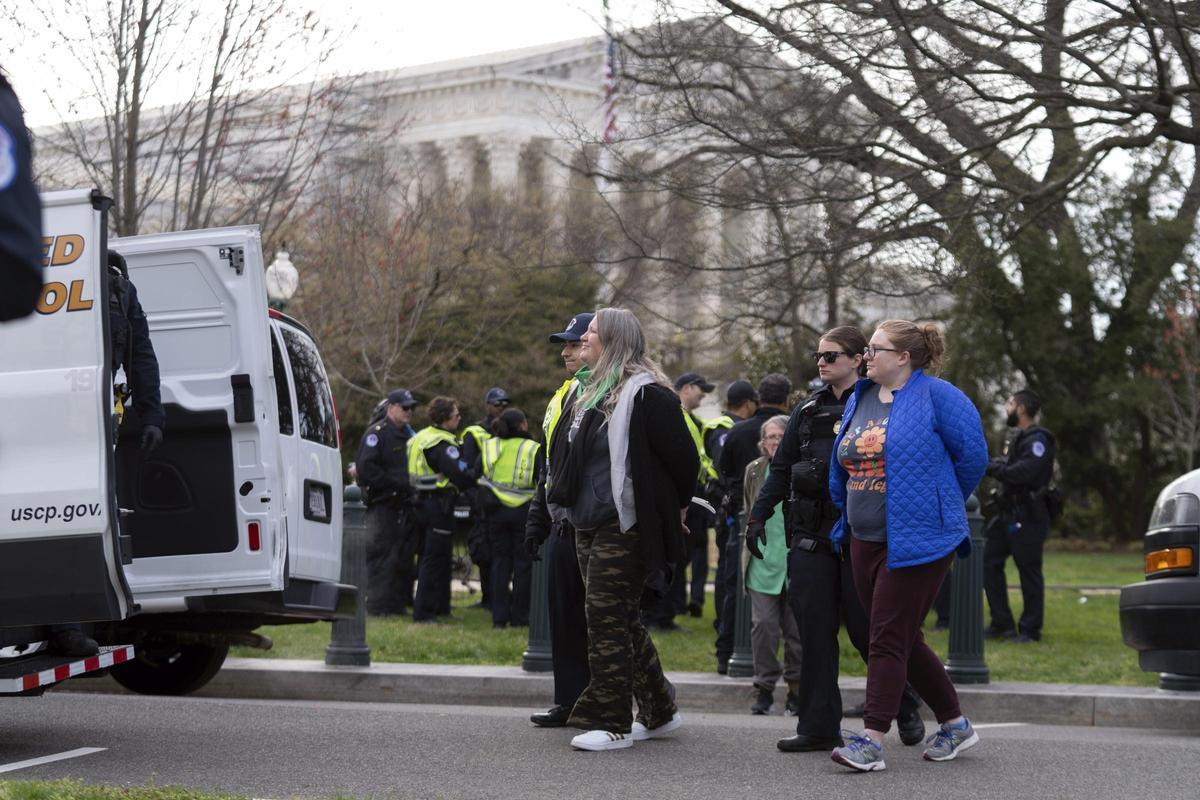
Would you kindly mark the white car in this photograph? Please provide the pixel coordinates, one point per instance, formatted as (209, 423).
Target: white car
(233, 522)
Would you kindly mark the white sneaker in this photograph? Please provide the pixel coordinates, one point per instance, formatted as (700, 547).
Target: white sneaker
(602, 740)
(641, 733)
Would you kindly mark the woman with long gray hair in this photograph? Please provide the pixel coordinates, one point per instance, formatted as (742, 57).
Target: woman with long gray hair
(625, 483)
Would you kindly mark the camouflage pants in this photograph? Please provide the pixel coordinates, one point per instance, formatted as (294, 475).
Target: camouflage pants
(621, 656)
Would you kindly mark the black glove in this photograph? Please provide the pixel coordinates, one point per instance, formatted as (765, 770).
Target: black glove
(532, 545)
(756, 534)
(151, 437)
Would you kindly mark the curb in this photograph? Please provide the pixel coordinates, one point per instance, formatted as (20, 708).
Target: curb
(1041, 703)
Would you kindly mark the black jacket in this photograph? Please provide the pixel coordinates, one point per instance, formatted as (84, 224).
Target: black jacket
(133, 350)
(20, 213)
(1024, 472)
(816, 420)
(741, 447)
(382, 462)
(663, 466)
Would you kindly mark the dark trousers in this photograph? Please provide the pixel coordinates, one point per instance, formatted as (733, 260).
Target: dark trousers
(433, 576)
(621, 656)
(568, 622)
(721, 538)
(896, 602)
(698, 522)
(510, 562)
(731, 555)
(384, 564)
(1025, 547)
(823, 598)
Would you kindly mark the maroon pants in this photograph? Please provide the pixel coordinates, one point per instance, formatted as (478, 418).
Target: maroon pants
(896, 602)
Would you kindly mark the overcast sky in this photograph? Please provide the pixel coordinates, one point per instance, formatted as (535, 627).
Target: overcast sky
(386, 34)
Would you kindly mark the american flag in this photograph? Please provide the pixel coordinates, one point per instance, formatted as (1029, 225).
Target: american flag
(611, 90)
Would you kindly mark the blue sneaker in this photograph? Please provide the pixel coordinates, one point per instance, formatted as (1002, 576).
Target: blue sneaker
(859, 753)
(950, 740)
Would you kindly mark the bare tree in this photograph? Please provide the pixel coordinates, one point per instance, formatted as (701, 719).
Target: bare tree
(966, 144)
(237, 141)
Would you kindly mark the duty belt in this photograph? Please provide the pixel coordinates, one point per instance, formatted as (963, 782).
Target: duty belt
(814, 544)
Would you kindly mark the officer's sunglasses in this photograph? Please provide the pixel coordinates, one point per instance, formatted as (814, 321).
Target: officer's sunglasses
(829, 356)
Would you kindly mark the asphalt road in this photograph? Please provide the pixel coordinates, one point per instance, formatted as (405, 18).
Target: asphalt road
(279, 749)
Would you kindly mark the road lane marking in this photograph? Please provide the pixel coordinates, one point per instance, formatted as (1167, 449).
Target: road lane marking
(37, 762)
(985, 725)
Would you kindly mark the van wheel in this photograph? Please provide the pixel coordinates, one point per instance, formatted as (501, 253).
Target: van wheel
(171, 668)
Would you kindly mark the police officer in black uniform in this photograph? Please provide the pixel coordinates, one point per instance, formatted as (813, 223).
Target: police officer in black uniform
(133, 351)
(438, 472)
(20, 213)
(382, 465)
(741, 401)
(820, 584)
(1022, 522)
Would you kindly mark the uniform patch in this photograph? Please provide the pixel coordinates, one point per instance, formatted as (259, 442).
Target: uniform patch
(452, 451)
(372, 440)
(837, 427)
(8, 158)
(1039, 449)
(721, 441)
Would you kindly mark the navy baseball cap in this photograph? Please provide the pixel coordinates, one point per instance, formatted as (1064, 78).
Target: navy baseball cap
(495, 396)
(401, 397)
(689, 378)
(575, 328)
(739, 392)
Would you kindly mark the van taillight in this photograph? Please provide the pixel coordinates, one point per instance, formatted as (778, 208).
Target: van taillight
(253, 537)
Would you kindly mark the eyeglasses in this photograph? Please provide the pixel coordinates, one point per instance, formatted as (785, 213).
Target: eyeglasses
(773, 437)
(870, 350)
(829, 356)
(409, 408)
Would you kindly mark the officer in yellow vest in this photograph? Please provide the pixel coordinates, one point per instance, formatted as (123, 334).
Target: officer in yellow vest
(741, 401)
(568, 623)
(692, 388)
(511, 463)
(474, 437)
(437, 472)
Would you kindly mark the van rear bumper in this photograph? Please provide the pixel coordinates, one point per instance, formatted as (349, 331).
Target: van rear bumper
(300, 601)
(1158, 619)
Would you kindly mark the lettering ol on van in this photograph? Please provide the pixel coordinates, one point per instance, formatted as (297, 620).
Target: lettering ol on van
(58, 251)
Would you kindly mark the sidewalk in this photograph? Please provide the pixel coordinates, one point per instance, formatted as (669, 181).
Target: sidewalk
(1043, 703)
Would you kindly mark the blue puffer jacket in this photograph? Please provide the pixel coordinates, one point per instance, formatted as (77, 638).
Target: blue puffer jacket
(935, 455)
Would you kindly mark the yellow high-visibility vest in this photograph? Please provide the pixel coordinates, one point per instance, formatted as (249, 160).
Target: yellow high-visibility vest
(479, 433)
(555, 408)
(707, 471)
(421, 476)
(508, 469)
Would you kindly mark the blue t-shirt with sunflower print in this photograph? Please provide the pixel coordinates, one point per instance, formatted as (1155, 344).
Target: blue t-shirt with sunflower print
(861, 452)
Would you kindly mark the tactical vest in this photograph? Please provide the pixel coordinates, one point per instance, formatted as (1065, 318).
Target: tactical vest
(707, 471)
(554, 409)
(421, 476)
(508, 469)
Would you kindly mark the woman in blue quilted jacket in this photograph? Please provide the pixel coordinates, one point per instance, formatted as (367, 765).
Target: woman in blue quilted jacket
(909, 452)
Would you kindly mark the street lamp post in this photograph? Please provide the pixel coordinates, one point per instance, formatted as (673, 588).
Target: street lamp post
(282, 280)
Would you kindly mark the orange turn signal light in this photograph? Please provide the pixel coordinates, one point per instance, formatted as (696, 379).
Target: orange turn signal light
(1170, 558)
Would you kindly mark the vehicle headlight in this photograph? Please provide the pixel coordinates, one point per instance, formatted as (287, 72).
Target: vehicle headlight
(1176, 509)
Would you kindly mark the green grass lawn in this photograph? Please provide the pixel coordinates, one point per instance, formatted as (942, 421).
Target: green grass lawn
(73, 790)
(1081, 640)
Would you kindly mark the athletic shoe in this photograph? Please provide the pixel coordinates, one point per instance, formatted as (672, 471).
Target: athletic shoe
(860, 753)
(641, 733)
(950, 740)
(763, 703)
(602, 740)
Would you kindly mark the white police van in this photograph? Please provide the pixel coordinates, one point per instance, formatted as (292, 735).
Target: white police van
(233, 522)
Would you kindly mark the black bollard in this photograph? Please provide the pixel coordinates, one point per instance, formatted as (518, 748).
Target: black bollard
(741, 663)
(348, 641)
(537, 656)
(966, 663)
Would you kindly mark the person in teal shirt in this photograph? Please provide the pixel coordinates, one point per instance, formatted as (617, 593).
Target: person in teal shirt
(766, 583)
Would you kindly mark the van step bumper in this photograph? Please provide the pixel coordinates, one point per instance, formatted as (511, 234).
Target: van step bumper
(33, 673)
(300, 601)
(1158, 619)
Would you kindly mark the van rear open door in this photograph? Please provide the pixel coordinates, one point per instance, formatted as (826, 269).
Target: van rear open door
(60, 559)
(207, 516)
